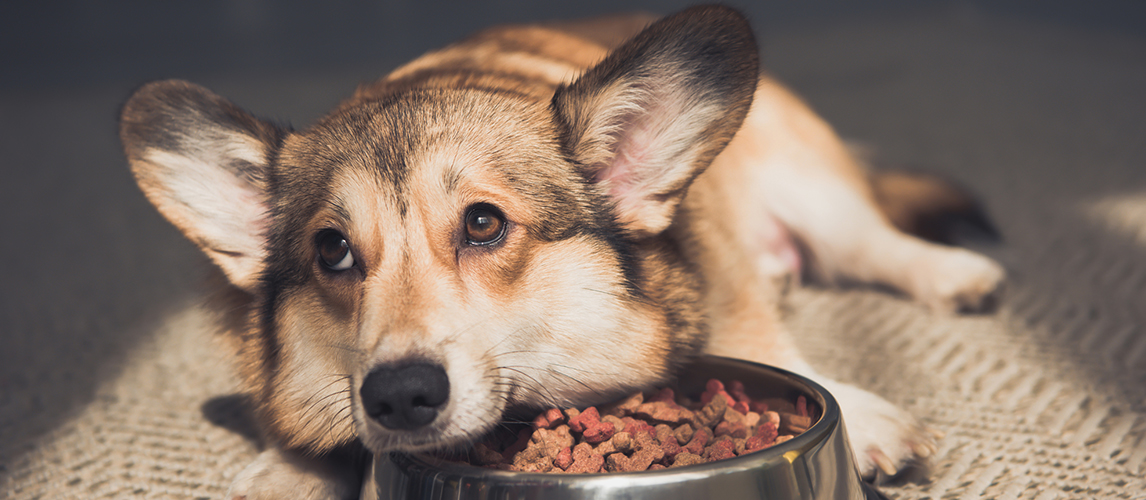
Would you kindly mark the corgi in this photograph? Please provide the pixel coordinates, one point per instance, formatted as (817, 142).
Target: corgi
(543, 215)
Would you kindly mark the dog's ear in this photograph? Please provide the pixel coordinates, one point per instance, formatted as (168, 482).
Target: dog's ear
(651, 116)
(203, 163)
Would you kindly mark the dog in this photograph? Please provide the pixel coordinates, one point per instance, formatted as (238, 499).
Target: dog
(542, 215)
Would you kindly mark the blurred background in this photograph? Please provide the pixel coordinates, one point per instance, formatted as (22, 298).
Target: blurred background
(1038, 106)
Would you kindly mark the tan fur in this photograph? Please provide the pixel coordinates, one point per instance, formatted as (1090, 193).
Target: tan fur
(644, 197)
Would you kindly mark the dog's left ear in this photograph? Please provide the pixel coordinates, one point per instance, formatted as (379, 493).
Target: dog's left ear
(652, 116)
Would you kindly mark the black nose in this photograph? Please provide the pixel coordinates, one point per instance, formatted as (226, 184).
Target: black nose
(407, 396)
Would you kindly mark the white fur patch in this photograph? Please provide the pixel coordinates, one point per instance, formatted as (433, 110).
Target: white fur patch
(220, 211)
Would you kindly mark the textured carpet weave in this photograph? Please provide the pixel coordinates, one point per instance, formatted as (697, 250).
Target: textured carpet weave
(1043, 399)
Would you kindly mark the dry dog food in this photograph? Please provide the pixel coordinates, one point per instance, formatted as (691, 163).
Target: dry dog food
(648, 433)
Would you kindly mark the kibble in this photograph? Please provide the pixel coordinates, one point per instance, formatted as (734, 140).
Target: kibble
(649, 432)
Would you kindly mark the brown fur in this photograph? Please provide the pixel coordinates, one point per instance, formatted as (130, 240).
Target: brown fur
(623, 248)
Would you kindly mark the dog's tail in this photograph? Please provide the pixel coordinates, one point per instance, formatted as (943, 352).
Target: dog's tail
(932, 207)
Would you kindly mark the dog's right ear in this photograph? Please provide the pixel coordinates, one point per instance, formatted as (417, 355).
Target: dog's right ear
(203, 163)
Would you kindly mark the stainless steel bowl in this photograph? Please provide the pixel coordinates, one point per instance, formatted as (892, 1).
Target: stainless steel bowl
(817, 464)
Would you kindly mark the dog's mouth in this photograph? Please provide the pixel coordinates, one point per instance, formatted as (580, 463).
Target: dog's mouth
(456, 429)
(454, 432)
(468, 404)
(379, 440)
(448, 440)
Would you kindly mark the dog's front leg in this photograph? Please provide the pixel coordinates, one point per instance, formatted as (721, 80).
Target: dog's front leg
(280, 474)
(883, 436)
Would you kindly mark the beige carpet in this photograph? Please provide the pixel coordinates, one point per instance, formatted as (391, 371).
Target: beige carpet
(1044, 399)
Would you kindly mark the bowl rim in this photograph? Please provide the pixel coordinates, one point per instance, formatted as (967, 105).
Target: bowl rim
(787, 451)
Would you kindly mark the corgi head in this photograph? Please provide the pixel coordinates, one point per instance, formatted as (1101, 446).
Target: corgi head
(420, 263)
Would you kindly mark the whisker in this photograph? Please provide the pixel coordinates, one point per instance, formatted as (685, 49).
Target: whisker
(310, 401)
(580, 370)
(547, 396)
(589, 388)
(336, 419)
(605, 292)
(345, 396)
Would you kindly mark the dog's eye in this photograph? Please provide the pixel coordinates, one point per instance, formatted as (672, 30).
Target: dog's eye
(333, 250)
(485, 225)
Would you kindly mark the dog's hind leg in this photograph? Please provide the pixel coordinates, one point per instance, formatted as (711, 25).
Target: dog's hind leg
(787, 165)
(803, 175)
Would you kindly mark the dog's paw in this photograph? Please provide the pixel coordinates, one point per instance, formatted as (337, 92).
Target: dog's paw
(954, 280)
(883, 437)
(278, 474)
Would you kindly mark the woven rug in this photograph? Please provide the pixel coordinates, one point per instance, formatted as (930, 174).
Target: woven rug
(1043, 399)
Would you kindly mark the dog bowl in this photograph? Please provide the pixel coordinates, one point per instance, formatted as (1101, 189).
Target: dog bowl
(817, 464)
